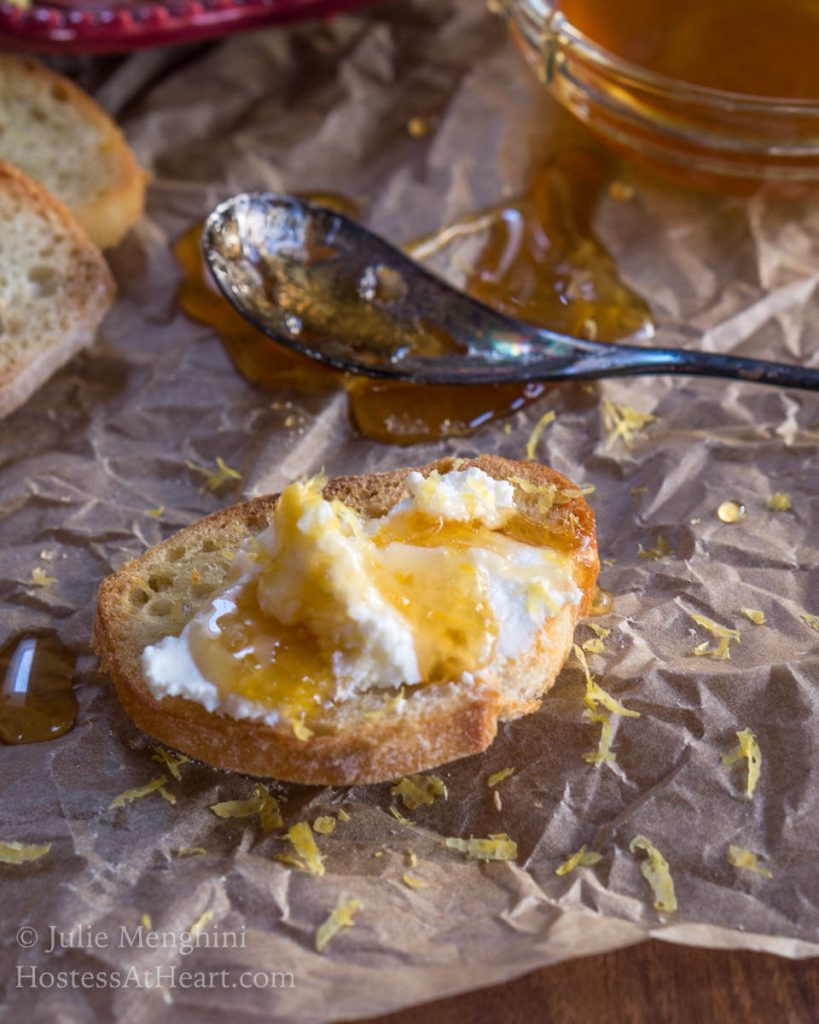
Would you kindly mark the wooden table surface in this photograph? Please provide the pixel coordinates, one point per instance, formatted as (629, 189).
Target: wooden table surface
(654, 982)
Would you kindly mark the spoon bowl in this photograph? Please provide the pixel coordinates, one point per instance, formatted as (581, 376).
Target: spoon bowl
(322, 284)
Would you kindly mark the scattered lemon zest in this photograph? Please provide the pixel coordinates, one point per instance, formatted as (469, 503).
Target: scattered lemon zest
(748, 749)
(623, 422)
(12, 852)
(738, 857)
(301, 836)
(496, 847)
(300, 730)
(754, 615)
(655, 871)
(412, 882)
(399, 817)
(722, 652)
(537, 431)
(171, 761)
(138, 792)
(190, 851)
(416, 790)
(40, 578)
(600, 631)
(340, 917)
(166, 795)
(147, 921)
(660, 550)
(595, 694)
(594, 646)
(604, 751)
(567, 494)
(214, 479)
(155, 512)
(261, 803)
(811, 620)
(324, 824)
(780, 501)
(342, 815)
(378, 853)
(412, 858)
(583, 858)
(48, 556)
(497, 777)
(636, 492)
(201, 923)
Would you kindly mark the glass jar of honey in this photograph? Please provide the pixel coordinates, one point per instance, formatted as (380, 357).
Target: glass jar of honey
(719, 91)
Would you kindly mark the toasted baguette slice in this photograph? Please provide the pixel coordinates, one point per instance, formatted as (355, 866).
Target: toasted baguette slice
(58, 135)
(367, 738)
(55, 287)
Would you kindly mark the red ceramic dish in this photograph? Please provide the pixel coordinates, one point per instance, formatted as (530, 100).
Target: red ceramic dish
(96, 26)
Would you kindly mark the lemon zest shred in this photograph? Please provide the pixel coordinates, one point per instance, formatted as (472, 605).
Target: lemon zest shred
(147, 921)
(604, 751)
(811, 620)
(412, 858)
(214, 479)
(166, 795)
(129, 795)
(12, 852)
(190, 851)
(300, 730)
(236, 808)
(780, 501)
(738, 857)
(623, 422)
(714, 628)
(655, 870)
(341, 916)
(660, 550)
(600, 631)
(594, 645)
(324, 824)
(411, 882)
(747, 748)
(497, 777)
(416, 790)
(270, 815)
(595, 694)
(342, 815)
(496, 847)
(40, 578)
(201, 923)
(301, 836)
(399, 817)
(156, 512)
(581, 858)
(537, 431)
(754, 615)
(171, 761)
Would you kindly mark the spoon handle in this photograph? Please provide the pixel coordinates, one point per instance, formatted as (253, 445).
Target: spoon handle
(624, 360)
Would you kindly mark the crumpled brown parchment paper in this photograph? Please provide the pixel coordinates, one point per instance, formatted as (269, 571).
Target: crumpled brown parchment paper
(324, 107)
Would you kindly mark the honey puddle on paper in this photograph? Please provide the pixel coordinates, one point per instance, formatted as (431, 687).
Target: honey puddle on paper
(539, 262)
(37, 701)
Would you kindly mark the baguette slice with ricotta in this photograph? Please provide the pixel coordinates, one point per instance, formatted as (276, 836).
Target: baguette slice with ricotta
(371, 736)
(55, 287)
(59, 136)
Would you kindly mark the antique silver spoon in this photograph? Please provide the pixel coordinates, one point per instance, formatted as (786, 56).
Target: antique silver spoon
(318, 282)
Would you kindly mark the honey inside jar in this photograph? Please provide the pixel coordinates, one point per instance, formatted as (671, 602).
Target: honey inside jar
(755, 47)
(538, 260)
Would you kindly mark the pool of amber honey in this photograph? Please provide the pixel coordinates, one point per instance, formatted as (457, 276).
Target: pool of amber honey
(754, 47)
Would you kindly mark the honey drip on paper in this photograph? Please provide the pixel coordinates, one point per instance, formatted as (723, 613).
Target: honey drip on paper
(756, 47)
(602, 602)
(37, 701)
(539, 262)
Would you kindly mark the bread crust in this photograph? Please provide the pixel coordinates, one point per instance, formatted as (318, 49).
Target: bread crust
(88, 290)
(108, 216)
(436, 724)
